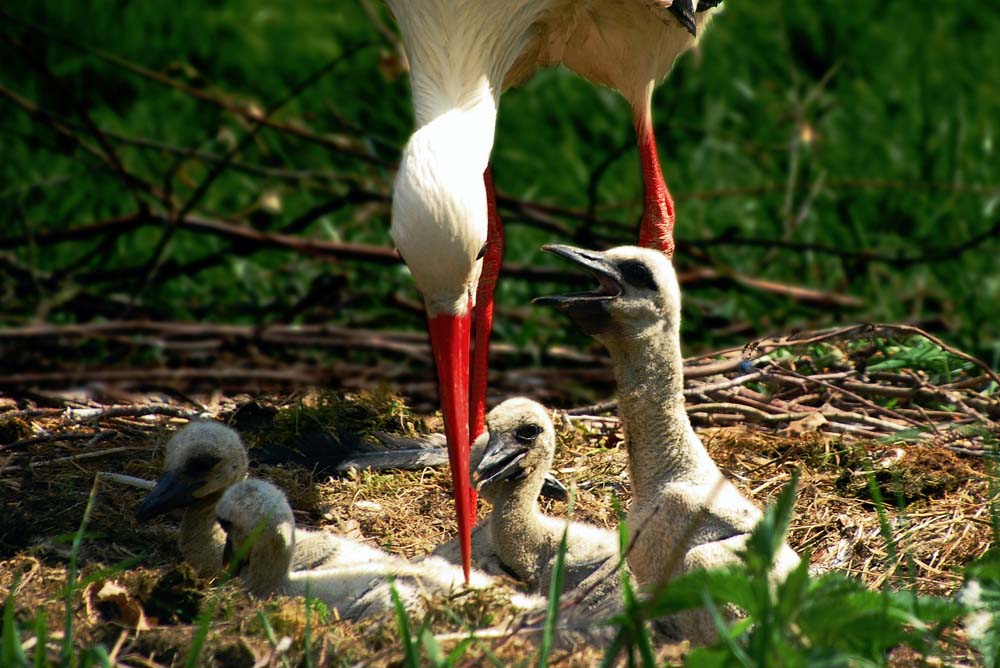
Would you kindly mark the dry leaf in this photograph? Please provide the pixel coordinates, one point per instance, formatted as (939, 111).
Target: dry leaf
(106, 600)
(811, 422)
(270, 201)
(368, 505)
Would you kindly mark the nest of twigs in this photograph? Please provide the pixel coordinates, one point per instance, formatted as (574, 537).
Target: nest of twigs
(837, 406)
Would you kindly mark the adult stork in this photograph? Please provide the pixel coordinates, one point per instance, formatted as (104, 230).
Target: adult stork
(462, 53)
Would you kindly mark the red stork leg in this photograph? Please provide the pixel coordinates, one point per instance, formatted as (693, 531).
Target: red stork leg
(484, 310)
(657, 227)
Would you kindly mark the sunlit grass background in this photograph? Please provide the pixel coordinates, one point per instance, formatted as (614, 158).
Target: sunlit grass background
(862, 136)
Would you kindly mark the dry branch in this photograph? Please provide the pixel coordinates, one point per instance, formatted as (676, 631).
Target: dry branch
(847, 401)
(90, 437)
(762, 392)
(72, 458)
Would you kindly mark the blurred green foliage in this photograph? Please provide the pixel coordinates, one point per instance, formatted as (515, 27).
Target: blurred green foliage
(862, 129)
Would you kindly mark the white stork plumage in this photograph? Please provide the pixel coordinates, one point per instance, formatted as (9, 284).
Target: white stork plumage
(462, 53)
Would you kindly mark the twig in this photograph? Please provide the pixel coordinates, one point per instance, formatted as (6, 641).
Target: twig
(136, 186)
(884, 425)
(602, 407)
(72, 458)
(867, 402)
(722, 385)
(199, 94)
(97, 414)
(34, 110)
(127, 480)
(755, 413)
(92, 437)
(30, 413)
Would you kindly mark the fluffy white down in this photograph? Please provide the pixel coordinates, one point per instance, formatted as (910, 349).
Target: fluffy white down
(355, 589)
(212, 439)
(200, 539)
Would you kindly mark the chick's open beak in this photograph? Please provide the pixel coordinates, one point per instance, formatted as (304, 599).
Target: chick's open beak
(589, 310)
(609, 280)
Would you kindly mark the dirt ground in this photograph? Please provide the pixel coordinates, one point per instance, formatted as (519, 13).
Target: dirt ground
(139, 601)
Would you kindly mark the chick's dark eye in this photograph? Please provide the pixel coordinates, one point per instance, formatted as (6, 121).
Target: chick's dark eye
(482, 252)
(637, 274)
(201, 464)
(527, 432)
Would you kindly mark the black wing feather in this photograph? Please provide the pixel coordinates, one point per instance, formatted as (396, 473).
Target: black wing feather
(684, 11)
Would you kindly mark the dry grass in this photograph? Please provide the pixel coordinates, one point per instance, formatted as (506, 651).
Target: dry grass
(945, 524)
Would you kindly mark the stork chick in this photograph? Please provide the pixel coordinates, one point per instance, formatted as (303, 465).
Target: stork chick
(685, 515)
(203, 460)
(484, 554)
(522, 443)
(257, 518)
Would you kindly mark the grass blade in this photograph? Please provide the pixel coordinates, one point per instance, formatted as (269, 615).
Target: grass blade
(272, 638)
(460, 650)
(489, 654)
(66, 656)
(472, 639)
(198, 641)
(639, 633)
(555, 593)
(614, 649)
(41, 640)
(307, 639)
(723, 630)
(206, 614)
(883, 517)
(411, 658)
(768, 536)
(621, 638)
(112, 570)
(432, 648)
(11, 652)
(99, 656)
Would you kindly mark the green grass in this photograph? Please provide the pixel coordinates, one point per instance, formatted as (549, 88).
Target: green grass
(555, 593)
(829, 127)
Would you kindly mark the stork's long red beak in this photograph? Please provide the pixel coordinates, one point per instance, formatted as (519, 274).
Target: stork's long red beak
(450, 343)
